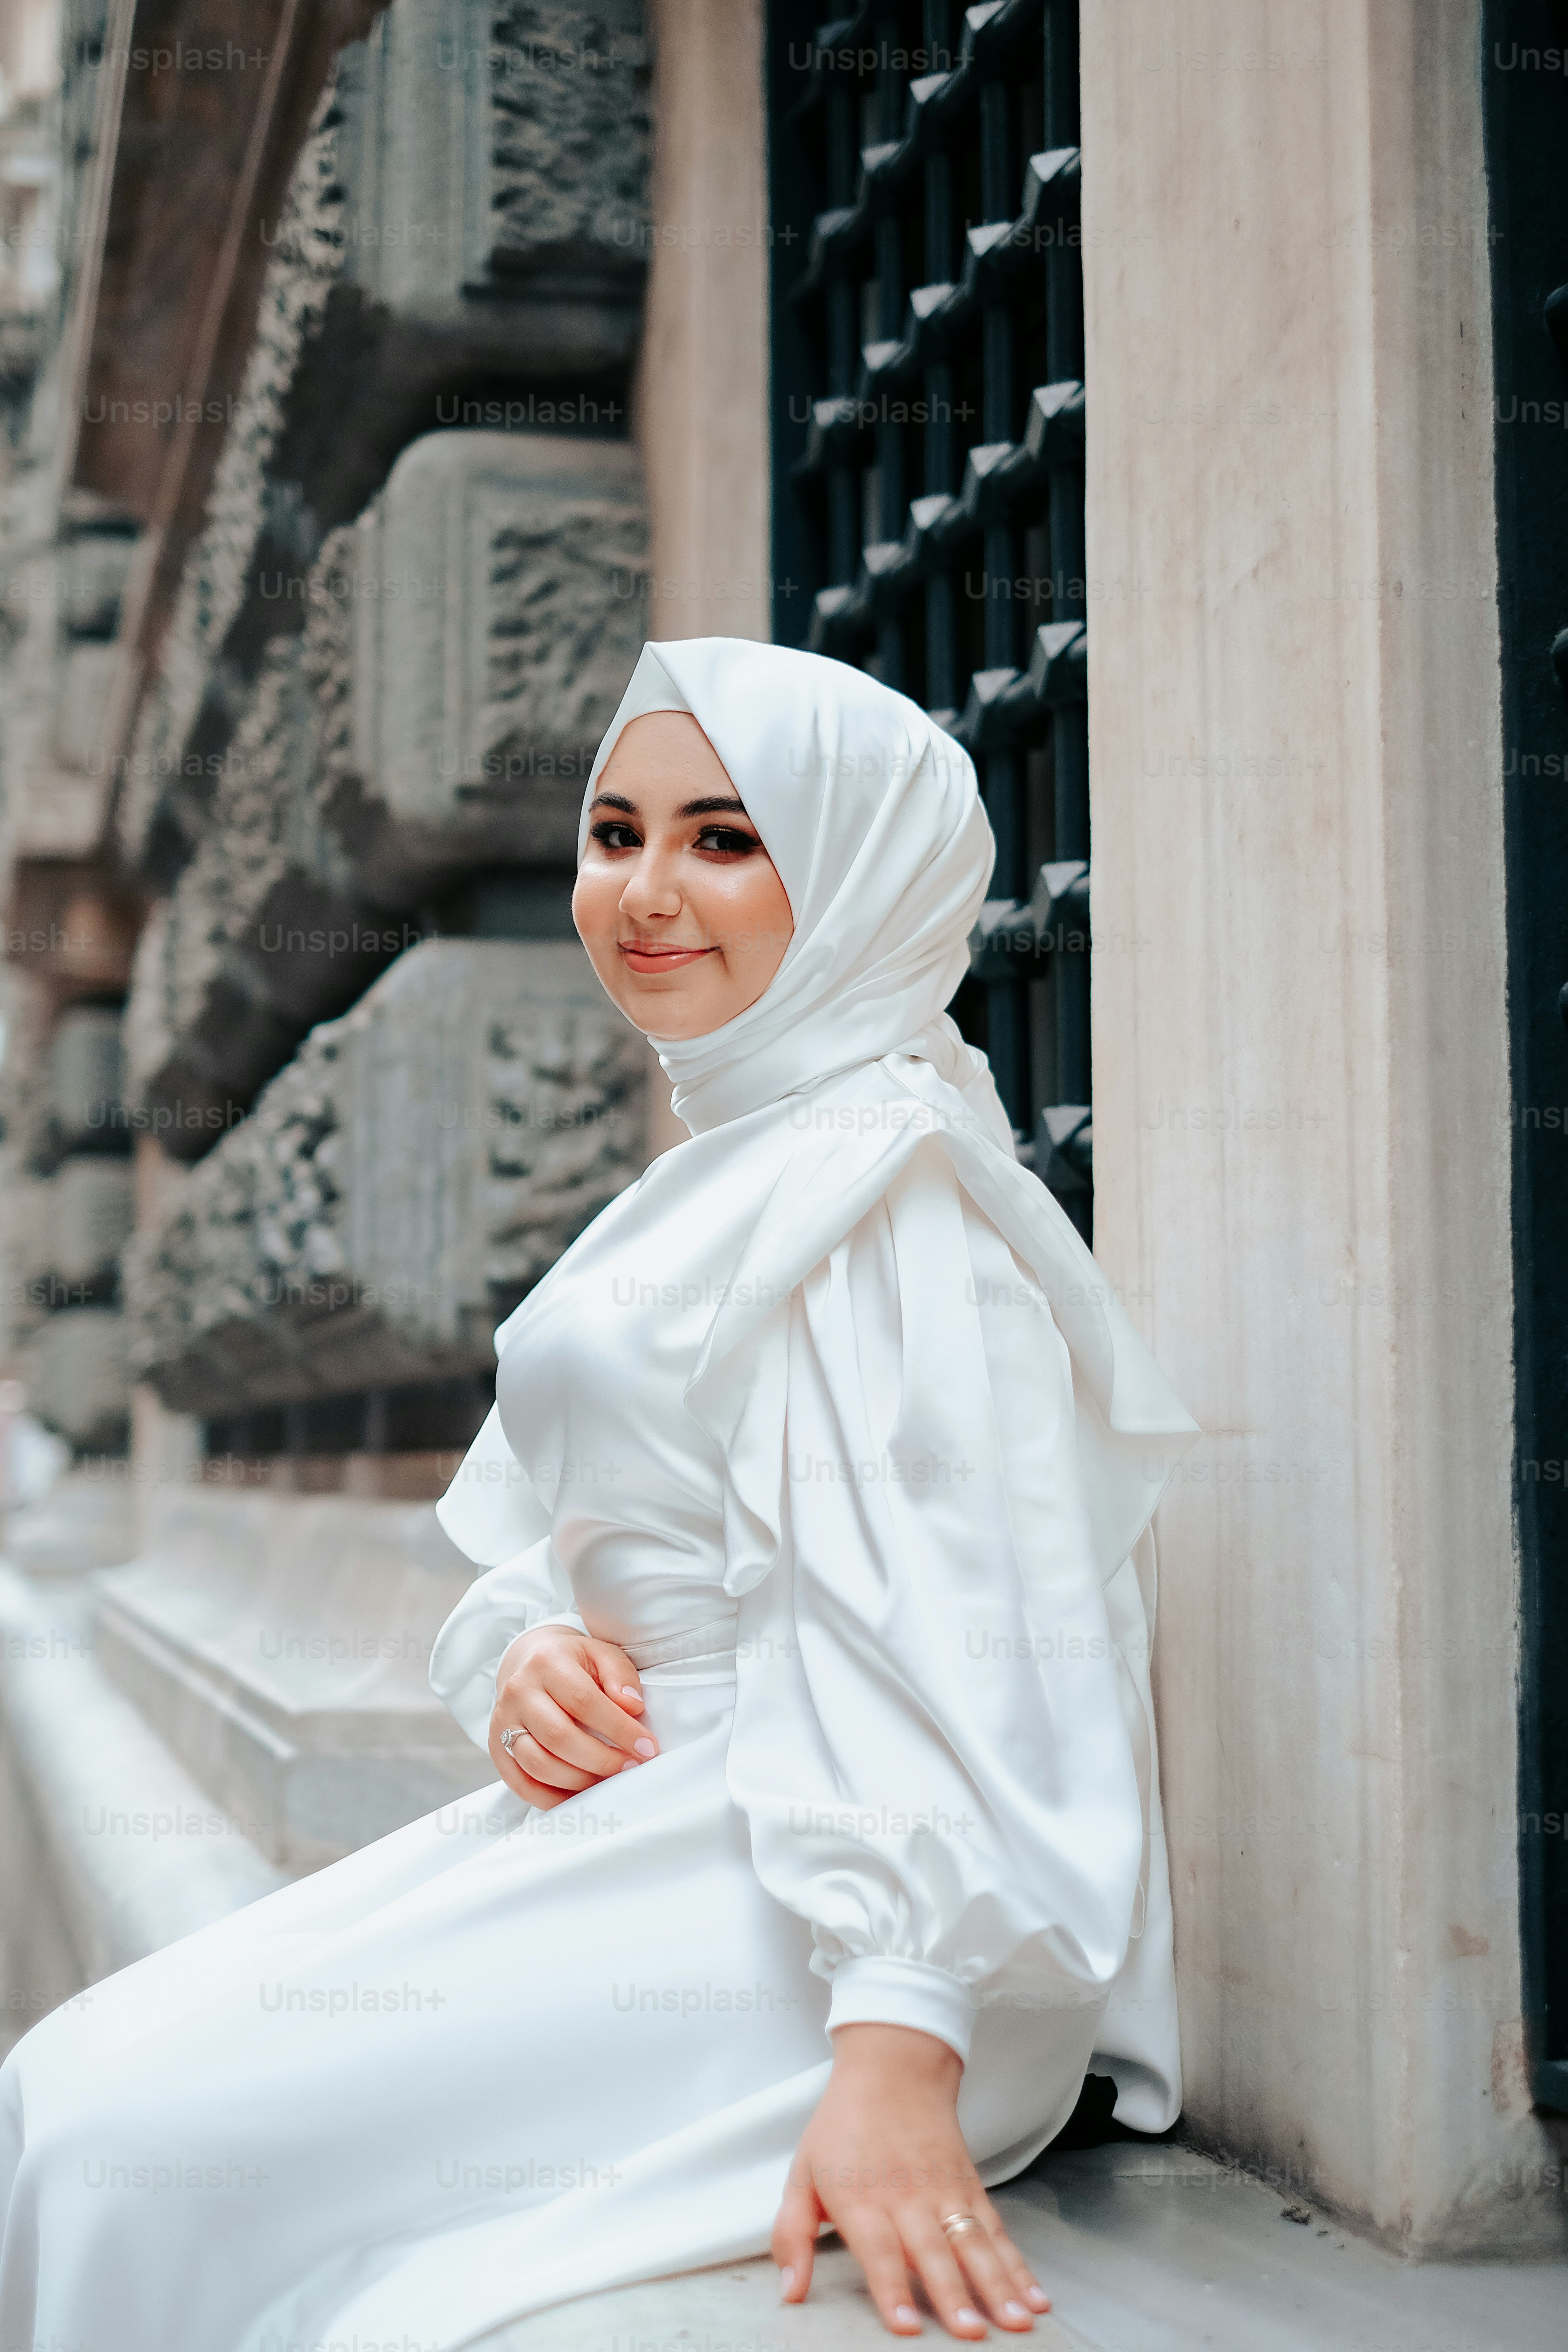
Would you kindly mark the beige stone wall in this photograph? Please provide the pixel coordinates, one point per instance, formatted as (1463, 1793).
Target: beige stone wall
(701, 408)
(702, 401)
(1301, 1085)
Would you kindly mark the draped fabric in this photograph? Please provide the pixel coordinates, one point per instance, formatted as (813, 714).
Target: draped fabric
(934, 1435)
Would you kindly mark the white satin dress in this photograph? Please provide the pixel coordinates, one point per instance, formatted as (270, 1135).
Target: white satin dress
(501, 2058)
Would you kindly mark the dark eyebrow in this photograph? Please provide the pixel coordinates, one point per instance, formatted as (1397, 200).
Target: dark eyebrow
(719, 806)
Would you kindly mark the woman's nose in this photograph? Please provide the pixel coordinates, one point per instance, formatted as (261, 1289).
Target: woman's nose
(651, 887)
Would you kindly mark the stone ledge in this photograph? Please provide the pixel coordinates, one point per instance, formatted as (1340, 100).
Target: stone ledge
(85, 1521)
(1143, 2248)
(109, 1849)
(735, 2307)
(283, 1645)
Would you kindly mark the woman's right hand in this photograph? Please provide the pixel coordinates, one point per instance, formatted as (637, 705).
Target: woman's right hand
(575, 1704)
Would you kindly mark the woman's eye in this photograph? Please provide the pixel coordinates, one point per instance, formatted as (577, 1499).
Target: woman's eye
(727, 840)
(611, 835)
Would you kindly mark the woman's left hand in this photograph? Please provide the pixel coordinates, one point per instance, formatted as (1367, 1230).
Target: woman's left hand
(883, 2160)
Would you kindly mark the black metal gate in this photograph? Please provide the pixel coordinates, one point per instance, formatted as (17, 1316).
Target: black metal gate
(1526, 116)
(928, 460)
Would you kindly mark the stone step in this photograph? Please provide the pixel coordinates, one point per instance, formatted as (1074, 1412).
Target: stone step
(283, 1645)
(109, 1848)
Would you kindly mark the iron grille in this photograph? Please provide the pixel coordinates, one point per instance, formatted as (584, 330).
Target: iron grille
(1526, 117)
(929, 423)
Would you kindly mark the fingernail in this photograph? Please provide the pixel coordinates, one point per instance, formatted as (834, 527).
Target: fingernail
(627, 1691)
(906, 2315)
(1039, 2297)
(967, 2318)
(786, 2280)
(1014, 2311)
(630, 1763)
(645, 1747)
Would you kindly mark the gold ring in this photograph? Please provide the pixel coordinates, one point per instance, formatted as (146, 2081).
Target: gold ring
(957, 2223)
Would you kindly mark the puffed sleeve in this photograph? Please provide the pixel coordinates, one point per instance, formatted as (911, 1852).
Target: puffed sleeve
(929, 1740)
(492, 1514)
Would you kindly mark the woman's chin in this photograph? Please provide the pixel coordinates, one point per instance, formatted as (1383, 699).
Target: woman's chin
(665, 1009)
(675, 1007)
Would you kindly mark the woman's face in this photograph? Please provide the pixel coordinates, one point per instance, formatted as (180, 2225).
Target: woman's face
(678, 903)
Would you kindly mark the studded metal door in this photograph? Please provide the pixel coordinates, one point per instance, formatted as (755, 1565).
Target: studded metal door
(1525, 97)
(928, 460)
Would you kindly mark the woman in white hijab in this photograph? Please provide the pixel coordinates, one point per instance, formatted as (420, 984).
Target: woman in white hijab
(812, 1657)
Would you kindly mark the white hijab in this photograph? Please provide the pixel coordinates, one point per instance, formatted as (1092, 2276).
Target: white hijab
(873, 819)
(816, 1097)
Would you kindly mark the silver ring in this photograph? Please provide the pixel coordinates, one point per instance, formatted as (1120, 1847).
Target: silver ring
(956, 2224)
(508, 1736)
